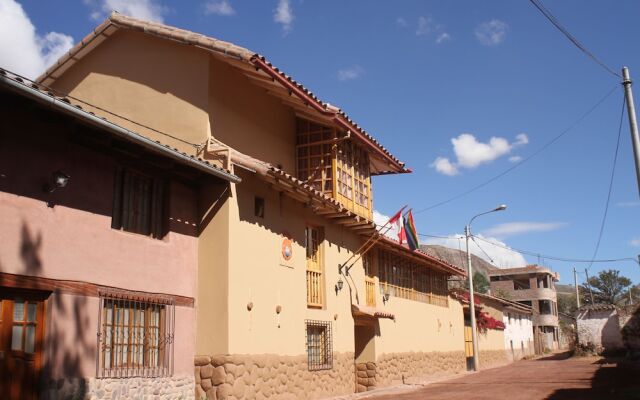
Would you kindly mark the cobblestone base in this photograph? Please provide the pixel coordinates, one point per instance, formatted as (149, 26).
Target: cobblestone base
(493, 358)
(237, 377)
(174, 388)
(365, 377)
(393, 368)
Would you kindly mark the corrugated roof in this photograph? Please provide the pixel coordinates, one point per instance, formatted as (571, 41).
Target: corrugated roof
(26, 87)
(246, 56)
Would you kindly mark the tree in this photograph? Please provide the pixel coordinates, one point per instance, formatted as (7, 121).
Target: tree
(608, 287)
(567, 303)
(480, 283)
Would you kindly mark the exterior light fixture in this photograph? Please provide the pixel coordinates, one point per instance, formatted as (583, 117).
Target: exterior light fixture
(339, 285)
(385, 297)
(59, 180)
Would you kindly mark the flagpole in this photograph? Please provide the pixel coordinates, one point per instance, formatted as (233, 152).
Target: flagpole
(341, 266)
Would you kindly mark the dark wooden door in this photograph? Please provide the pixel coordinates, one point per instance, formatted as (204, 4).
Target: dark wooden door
(21, 342)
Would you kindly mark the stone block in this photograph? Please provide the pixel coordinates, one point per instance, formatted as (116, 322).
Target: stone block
(239, 388)
(230, 368)
(371, 373)
(224, 391)
(362, 374)
(361, 388)
(202, 360)
(212, 394)
(361, 367)
(206, 384)
(206, 371)
(218, 376)
(218, 360)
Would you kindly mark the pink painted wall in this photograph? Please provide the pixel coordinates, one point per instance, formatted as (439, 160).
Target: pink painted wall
(74, 240)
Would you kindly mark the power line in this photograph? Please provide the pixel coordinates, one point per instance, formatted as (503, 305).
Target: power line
(613, 172)
(569, 36)
(556, 258)
(540, 150)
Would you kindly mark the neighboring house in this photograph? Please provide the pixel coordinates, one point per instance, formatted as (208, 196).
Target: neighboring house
(533, 286)
(98, 253)
(599, 326)
(518, 333)
(286, 299)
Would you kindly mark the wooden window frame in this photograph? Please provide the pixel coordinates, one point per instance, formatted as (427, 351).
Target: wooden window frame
(152, 202)
(315, 268)
(133, 346)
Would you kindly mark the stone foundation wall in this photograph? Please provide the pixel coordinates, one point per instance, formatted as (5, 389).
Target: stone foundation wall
(393, 368)
(173, 387)
(494, 358)
(237, 377)
(365, 376)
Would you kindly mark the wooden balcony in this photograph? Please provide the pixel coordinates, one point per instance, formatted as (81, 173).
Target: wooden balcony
(370, 289)
(315, 298)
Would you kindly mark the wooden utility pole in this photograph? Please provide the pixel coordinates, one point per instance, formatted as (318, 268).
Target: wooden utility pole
(589, 285)
(633, 124)
(575, 283)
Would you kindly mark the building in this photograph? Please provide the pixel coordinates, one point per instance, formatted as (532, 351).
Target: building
(533, 286)
(263, 268)
(98, 253)
(599, 328)
(518, 332)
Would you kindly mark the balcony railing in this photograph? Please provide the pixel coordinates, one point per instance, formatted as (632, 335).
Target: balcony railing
(315, 296)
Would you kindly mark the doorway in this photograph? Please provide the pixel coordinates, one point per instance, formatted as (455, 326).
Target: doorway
(21, 343)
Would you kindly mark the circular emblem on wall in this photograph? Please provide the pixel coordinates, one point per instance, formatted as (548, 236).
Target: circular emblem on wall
(287, 248)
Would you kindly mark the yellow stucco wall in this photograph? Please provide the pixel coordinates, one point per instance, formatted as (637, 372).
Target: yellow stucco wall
(154, 82)
(492, 339)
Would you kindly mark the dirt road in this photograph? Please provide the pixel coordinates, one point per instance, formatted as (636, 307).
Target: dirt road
(553, 378)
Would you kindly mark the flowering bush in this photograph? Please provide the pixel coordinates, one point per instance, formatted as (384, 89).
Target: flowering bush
(485, 321)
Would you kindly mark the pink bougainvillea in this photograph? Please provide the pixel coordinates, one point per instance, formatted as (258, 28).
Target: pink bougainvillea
(485, 321)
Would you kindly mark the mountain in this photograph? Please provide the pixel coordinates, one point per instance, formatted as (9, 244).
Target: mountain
(458, 258)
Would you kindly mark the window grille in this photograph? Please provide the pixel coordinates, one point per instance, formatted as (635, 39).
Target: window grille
(319, 345)
(135, 337)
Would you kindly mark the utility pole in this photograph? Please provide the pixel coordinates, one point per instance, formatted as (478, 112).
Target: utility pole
(575, 283)
(589, 285)
(630, 298)
(472, 305)
(633, 123)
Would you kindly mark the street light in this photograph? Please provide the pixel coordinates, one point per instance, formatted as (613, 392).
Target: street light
(472, 306)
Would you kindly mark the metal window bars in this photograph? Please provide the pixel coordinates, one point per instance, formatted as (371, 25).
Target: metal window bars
(135, 335)
(319, 345)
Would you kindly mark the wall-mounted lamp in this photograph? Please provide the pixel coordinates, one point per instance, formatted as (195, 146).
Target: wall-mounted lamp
(385, 297)
(339, 285)
(59, 180)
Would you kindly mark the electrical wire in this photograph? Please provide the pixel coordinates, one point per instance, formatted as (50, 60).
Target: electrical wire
(569, 36)
(556, 258)
(613, 172)
(534, 154)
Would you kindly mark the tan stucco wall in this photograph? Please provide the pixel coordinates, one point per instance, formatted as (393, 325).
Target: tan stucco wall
(492, 339)
(154, 82)
(246, 117)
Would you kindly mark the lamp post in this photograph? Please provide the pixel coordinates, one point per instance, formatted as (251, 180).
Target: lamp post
(472, 306)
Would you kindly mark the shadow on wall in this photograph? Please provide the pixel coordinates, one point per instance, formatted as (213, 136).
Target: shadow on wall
(631, 334)
(611, 338)
(615, 379)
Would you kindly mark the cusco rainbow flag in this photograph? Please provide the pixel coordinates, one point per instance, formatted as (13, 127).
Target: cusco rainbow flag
(410, 231)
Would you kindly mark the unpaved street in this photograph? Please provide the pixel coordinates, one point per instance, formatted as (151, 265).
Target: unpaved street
(553, 378)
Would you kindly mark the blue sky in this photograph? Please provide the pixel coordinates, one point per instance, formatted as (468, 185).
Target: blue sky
(435, 80)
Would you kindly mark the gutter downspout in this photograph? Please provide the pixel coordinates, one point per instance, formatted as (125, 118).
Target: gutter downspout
(55, 103)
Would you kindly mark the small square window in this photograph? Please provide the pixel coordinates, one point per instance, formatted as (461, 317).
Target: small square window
(259, 207)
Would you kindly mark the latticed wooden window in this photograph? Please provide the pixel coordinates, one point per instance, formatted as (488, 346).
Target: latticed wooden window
(362, 181)
(315, 281)
(404, 278)
(314, 148)
(319, 345)
(138, 203)
(136, 336)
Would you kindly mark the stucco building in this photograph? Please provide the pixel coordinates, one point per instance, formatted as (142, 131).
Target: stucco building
(211, 232)
(533, 286)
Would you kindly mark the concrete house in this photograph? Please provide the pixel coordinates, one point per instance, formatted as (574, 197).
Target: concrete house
(98, 253)
(599, 325)
(533, 286)
(287, 301)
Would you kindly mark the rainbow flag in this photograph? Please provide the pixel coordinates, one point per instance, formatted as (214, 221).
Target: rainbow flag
(410, 231)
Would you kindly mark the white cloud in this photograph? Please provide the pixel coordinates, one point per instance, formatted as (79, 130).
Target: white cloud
(515, 159)
(628, 204)
(284, 15)
(491, 33)
(350, 73)
(23, 50)
(149, 10)
(219, 7)
(381, 219)
(470, 153)
(425, 26)
(519, 228)
(635, 242)
(401, 22)
(500, 256)
(444, 166)
(443, 37)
